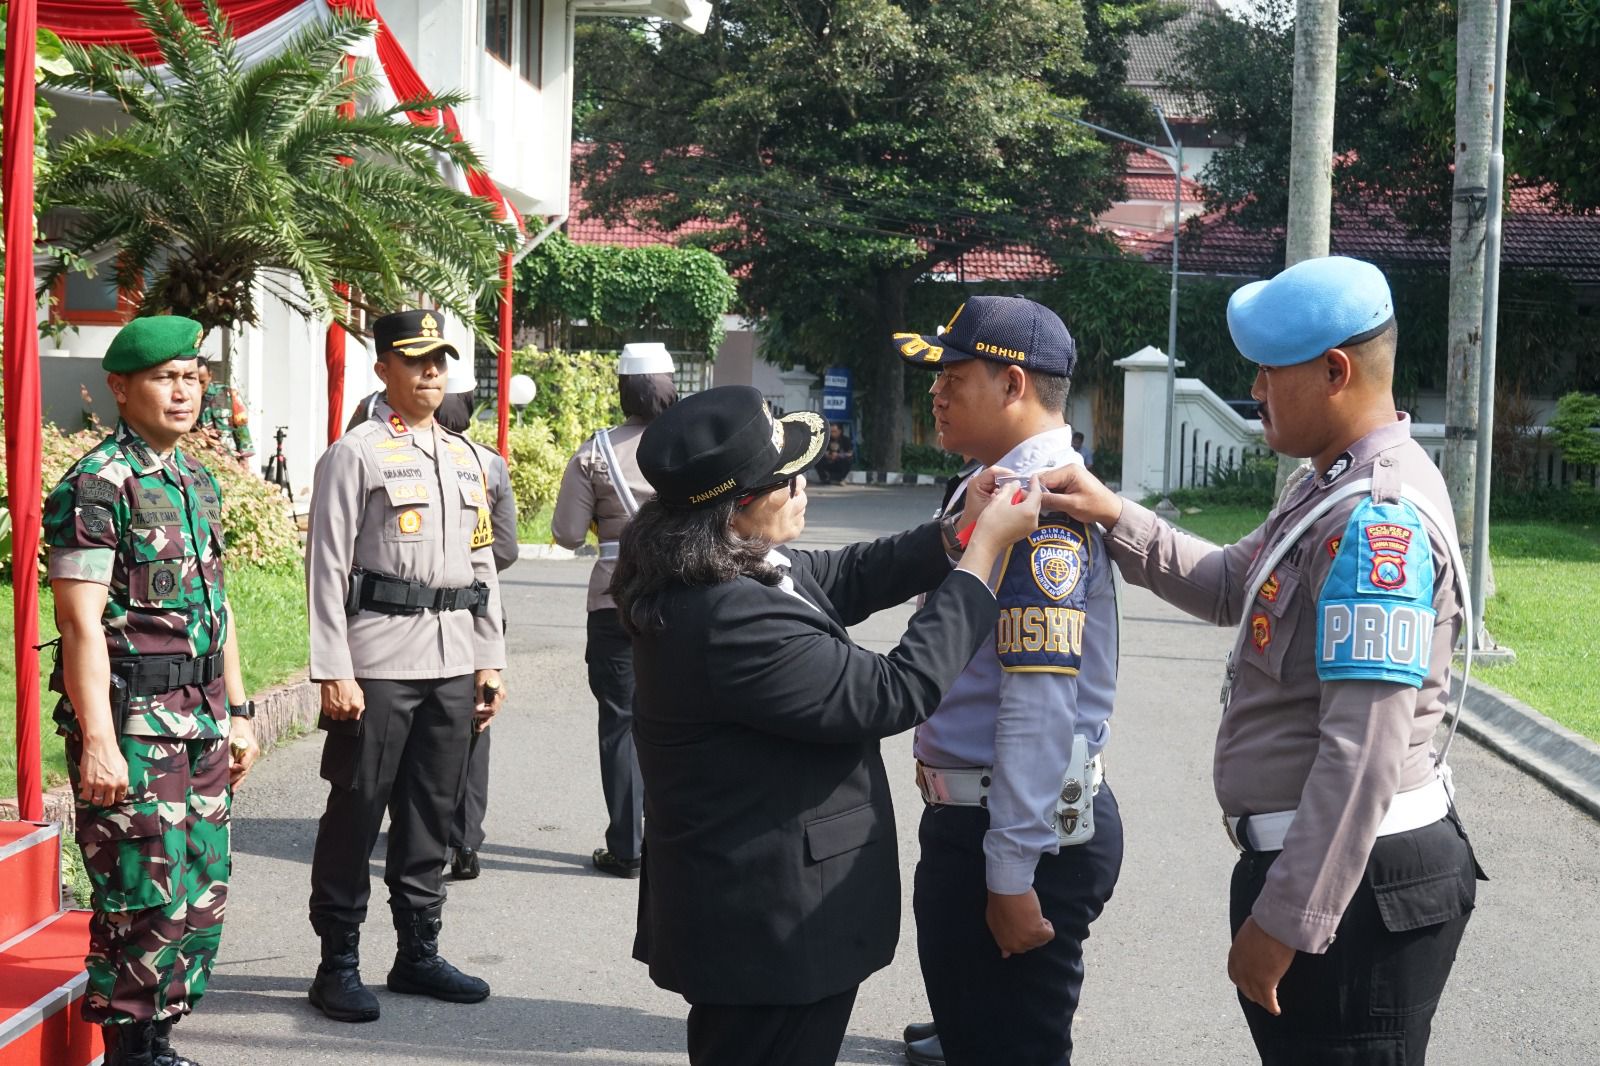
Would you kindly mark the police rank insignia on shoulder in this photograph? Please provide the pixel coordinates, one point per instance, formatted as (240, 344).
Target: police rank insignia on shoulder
(1375, 614)
(1042, 594)
(397, 424)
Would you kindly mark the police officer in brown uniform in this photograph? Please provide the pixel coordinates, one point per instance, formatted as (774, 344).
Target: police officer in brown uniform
(602, 489)
(407, 644)
(1355, 879)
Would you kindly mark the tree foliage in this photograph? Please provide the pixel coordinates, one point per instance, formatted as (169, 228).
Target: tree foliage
(226, 175)
(654, 287)
(1395, 117)
(843, 149)
(1574, 423)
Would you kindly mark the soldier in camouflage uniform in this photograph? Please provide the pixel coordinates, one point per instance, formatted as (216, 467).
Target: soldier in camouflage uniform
(152, 694)
(224, 414)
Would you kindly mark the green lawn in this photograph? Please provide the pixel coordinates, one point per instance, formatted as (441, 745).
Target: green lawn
(271, 611)
(1547, 581)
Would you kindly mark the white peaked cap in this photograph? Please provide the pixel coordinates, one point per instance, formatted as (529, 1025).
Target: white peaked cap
(645, 358)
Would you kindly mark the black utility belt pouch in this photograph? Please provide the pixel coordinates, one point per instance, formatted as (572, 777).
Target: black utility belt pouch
(383, 594)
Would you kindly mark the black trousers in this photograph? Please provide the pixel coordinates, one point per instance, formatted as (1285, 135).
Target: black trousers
(1370, 999)
(834, 469)
(610, 658)
(406, 754)
(807, 1035)
(466, 826)
(1016, 1011)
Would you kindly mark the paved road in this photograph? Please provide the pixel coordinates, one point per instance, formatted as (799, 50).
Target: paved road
(553, 937)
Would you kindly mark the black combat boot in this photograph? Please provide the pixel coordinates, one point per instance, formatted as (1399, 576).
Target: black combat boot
(132, 1044)
(418, 969)
(337, 990)
(162, 1051)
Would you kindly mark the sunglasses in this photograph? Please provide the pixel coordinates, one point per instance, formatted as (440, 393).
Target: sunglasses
(751, 496)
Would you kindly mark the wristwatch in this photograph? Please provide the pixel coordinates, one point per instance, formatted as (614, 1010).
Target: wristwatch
(247, 709)
(950, 535)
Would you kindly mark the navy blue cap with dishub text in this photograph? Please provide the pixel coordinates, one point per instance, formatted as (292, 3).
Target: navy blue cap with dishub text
(1012, 330)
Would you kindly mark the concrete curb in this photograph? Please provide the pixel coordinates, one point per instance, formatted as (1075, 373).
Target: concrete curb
(890, 477)
(1569, 764)
(544, 551)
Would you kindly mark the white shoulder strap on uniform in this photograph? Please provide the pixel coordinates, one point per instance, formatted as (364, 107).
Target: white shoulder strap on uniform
(1365, 486)
(619, 480)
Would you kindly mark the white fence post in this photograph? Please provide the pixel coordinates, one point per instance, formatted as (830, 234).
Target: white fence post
(1144, 414)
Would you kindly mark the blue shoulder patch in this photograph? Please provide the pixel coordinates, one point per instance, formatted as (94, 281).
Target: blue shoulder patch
(1375, 613)
(1043, 590)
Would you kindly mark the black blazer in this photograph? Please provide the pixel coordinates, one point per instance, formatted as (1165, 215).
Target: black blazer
(771, 872)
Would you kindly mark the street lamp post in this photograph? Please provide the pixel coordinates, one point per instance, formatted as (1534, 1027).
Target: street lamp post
(1173, 154)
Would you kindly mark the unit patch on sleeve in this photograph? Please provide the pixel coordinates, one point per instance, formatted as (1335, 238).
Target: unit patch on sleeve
(1375, 613)
(1042, 592)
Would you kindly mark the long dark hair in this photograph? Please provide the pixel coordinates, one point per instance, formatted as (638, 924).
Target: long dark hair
(646, 395)
(664, 548)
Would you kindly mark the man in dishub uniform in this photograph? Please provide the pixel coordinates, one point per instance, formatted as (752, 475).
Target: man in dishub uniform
(1355, 879)
(152, 694)
(406, 642)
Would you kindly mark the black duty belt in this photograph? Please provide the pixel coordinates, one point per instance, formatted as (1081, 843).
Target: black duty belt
(151, 675)
(372, 591)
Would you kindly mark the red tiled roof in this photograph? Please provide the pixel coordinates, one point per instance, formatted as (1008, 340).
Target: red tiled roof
(1536, 236)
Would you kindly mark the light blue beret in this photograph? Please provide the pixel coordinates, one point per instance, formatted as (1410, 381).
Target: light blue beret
(1314, 305)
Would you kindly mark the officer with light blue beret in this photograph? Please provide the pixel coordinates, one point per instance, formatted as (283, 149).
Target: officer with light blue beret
(1355, 879)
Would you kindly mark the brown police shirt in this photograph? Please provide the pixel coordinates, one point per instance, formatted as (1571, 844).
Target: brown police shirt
(389, 504)
(588, 497)
(1337, 751)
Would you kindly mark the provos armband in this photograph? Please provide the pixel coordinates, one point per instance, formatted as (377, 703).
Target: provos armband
(1043, 591)
(1375, 614)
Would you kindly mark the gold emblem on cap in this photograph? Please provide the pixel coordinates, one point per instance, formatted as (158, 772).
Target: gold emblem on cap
(430, 326)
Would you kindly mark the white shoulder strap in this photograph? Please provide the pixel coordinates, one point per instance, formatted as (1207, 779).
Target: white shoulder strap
(1270, 561)
(619, 480)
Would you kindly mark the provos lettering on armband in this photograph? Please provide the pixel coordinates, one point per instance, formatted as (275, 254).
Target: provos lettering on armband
(1378, 641)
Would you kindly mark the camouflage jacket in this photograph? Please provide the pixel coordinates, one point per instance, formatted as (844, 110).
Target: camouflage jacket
(222, 410)
(151, 531)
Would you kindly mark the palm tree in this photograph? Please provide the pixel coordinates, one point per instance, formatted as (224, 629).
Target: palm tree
(226, 175)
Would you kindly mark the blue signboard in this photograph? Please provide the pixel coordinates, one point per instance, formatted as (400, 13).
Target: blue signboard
(838, 403)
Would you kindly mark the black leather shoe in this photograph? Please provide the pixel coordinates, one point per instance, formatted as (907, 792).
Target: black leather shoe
(608, 863)
(129, 1045)
(925, 1052)
(919, 1031)
(162, 1051)
(464, 866)
(418, 969)
(337, 990)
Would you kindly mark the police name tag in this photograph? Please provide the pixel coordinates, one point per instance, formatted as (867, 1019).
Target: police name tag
(1375, 614)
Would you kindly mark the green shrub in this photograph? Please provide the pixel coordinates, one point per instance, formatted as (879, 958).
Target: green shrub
(577, 392)
(927, 459)
(1249, 484)
(1577, 505)
(1573, 426)
(536, 461)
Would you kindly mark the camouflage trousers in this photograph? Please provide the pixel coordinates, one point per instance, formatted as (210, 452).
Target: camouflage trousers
(158, 864)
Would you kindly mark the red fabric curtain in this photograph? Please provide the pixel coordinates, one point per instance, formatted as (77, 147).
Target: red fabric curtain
(108, 22)
(21, 369)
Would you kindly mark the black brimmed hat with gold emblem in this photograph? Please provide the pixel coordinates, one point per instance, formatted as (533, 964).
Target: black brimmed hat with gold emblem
(412, 333)
(724, 443)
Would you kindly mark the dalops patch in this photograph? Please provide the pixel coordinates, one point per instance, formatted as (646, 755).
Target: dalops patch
(1375, 614)
(1043, 592)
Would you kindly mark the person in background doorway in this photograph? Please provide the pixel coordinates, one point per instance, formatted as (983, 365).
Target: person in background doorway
(601, 490)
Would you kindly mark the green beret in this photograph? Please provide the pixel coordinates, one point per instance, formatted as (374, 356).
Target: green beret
(151, 341)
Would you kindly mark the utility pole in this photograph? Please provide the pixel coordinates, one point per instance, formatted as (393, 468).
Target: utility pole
(1316, 66)
(1475, 100)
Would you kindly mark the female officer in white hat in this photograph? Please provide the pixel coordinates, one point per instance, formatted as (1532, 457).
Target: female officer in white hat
(601, 490)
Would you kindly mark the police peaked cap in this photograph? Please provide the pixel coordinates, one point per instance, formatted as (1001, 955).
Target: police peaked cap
(1314, 305)
(723, 443)
(412, 333)
(150, 341)
(1011, 330)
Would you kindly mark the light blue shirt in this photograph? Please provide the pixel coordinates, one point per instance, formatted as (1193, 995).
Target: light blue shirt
(1022, 723)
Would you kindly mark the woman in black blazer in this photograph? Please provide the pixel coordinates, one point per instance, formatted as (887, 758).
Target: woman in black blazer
(771, 883)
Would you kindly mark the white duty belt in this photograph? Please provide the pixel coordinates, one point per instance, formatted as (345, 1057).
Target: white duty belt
(1409, 810)
(1072, 816)
(609, 549)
